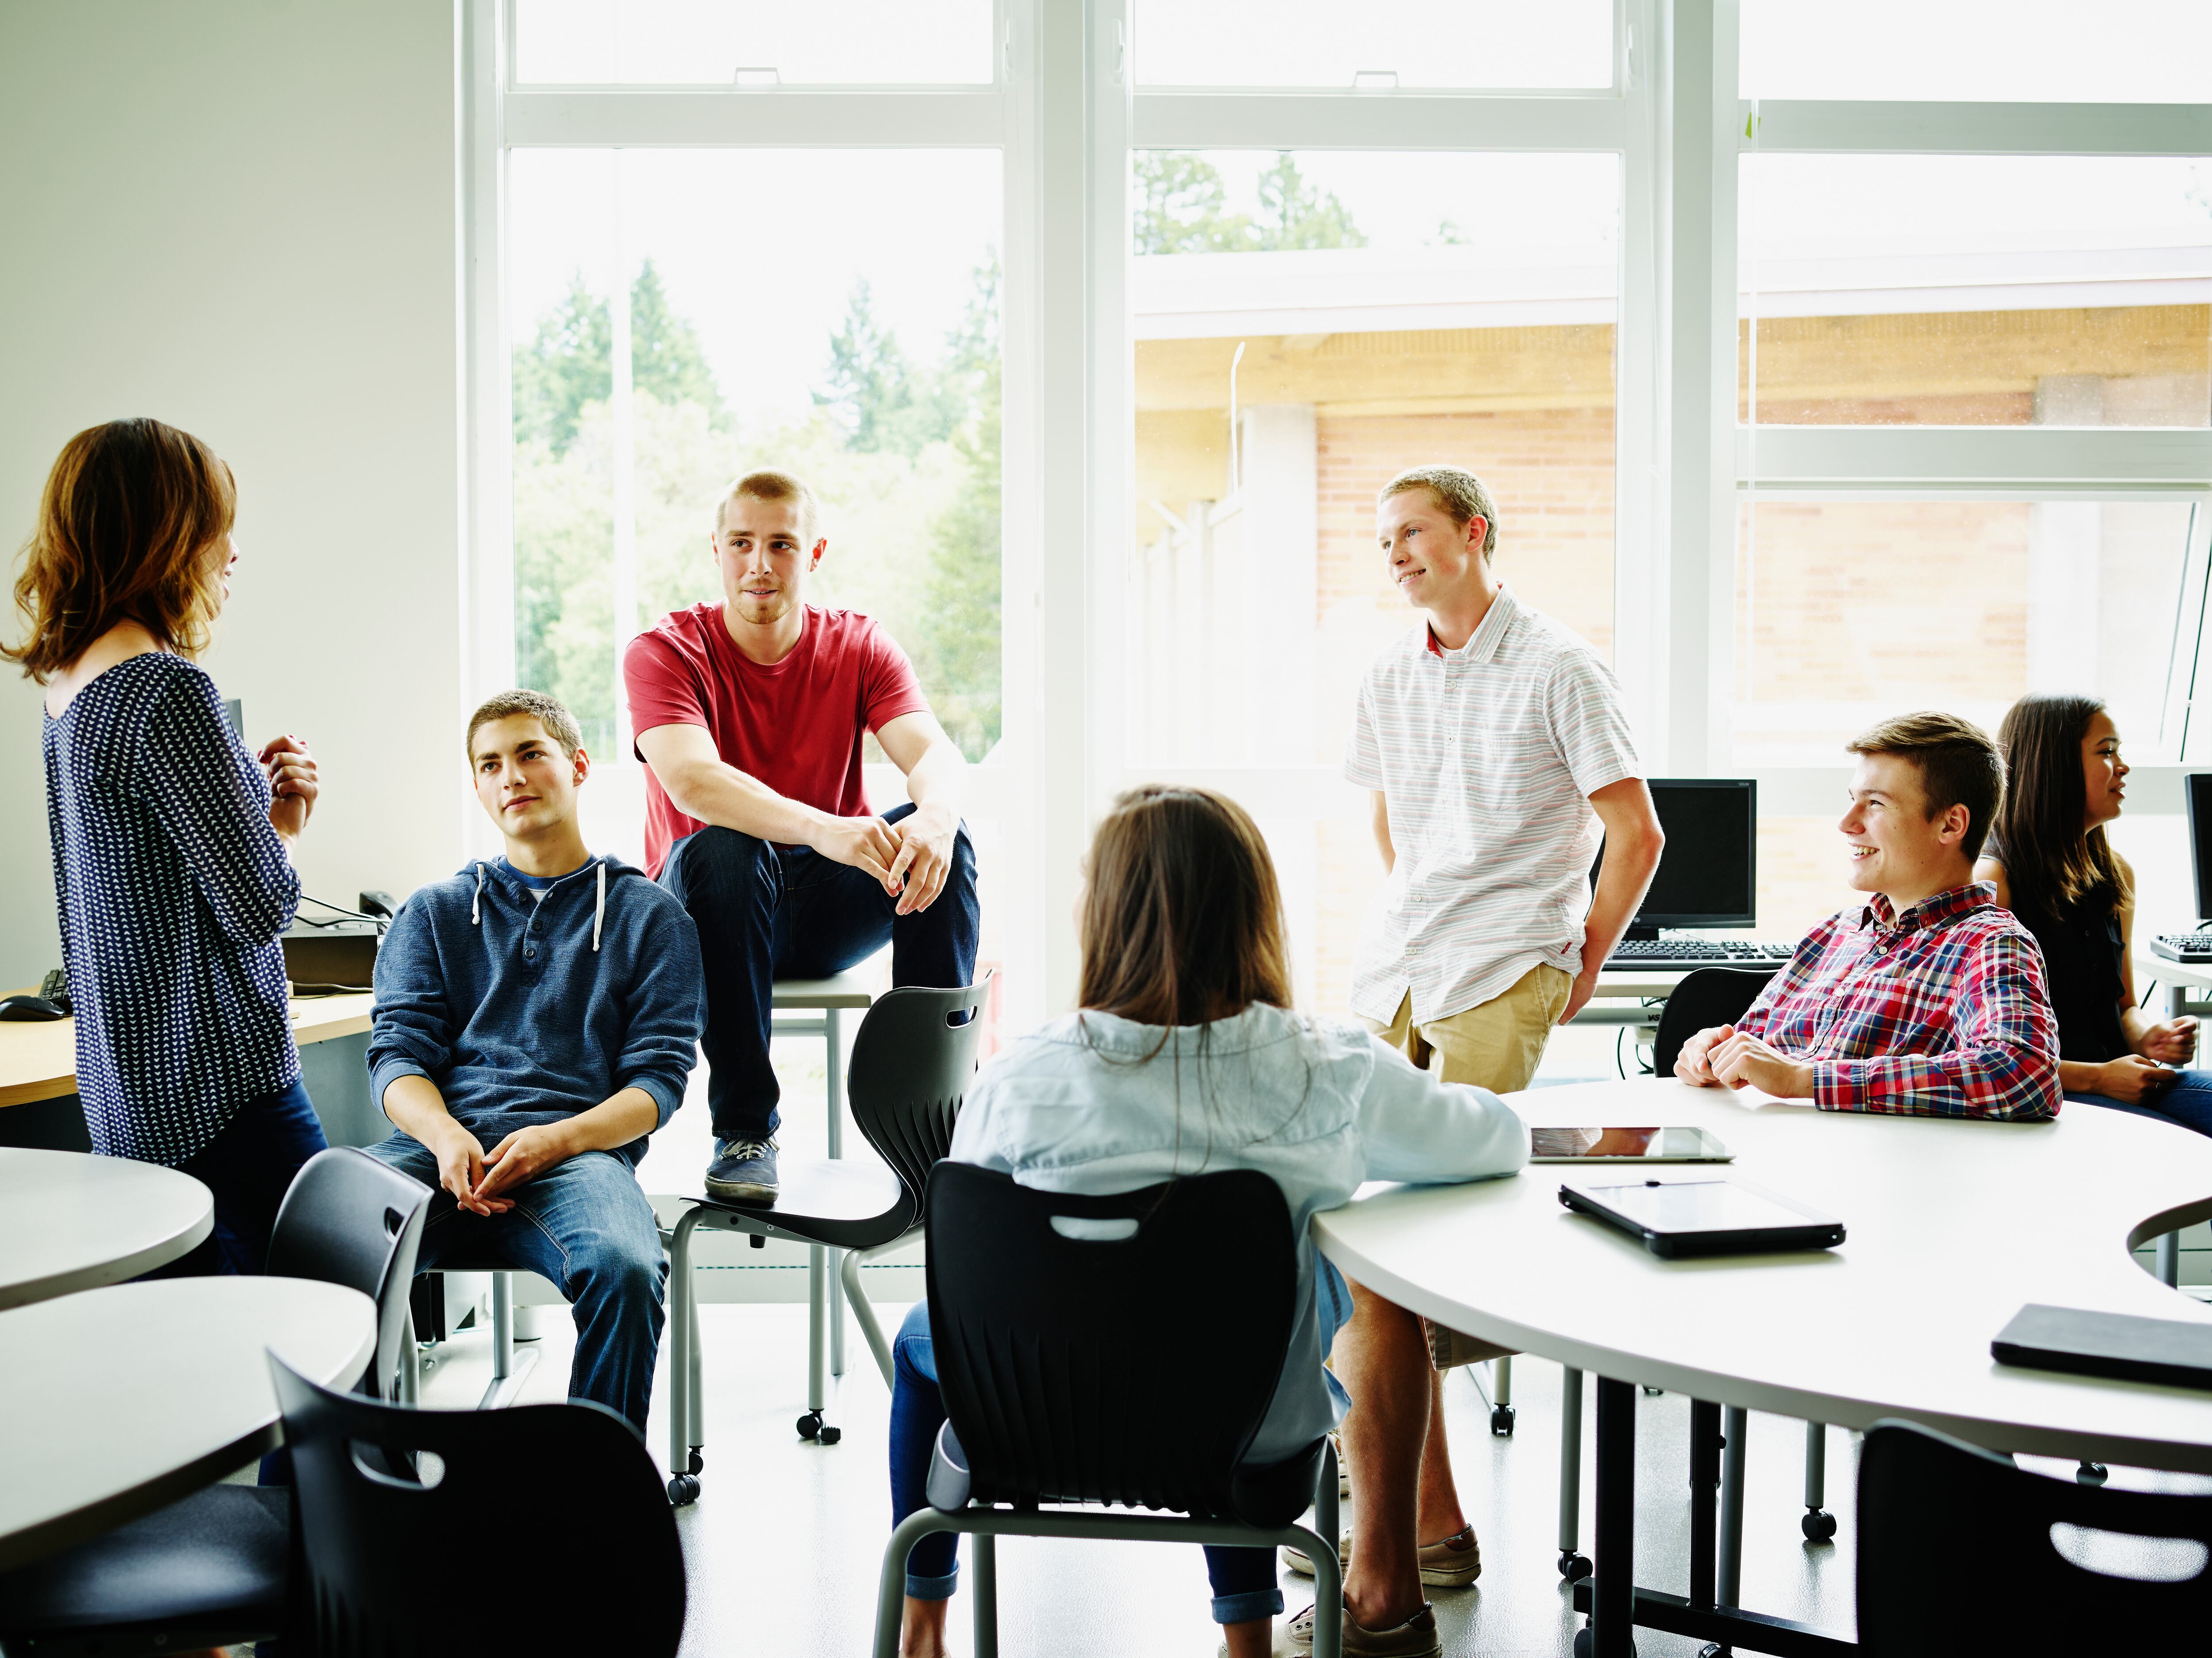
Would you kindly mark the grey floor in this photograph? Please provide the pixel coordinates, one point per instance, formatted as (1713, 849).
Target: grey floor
(785, 1539)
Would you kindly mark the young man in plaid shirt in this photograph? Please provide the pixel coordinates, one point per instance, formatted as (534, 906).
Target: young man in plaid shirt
(1927, 1000)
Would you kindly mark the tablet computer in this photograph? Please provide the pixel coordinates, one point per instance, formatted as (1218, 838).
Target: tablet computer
(1677, 1218)
(1626, 1146)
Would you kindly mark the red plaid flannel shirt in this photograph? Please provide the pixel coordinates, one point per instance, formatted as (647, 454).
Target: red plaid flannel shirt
(1938, 1012)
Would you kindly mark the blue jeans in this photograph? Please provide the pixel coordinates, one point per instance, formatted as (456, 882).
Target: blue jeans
(584, 1224)
(766, 912)
(2187, 1100)
(1243, 1579)
(249, 1167)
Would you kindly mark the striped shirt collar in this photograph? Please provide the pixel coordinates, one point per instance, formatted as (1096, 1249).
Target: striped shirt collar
(1931, 912)
(1489, 634)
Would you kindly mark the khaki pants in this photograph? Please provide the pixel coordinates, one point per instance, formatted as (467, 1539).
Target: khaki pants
(1496, 1045)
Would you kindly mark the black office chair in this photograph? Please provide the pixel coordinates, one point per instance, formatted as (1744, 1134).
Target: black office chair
(912, 1062)
(210, 1569)
(1131, 1370)
(506, 1496)
(2030, 1594)
(1708, 997)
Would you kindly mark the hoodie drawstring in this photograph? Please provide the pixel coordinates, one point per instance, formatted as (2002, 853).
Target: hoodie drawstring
(475, 904)
(599, 909)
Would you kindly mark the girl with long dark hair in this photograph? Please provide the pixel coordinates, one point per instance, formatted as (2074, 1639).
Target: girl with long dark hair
(173, 872)
(1187, 1059)
(2055, 869)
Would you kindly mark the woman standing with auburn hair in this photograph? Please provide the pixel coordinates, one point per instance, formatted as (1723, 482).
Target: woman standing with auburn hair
(1186, 1058)
(170, 840)
(2053, 868)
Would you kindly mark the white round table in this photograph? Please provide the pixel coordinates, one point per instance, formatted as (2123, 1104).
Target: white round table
(71, 1221)
(117, 1401)
(1952, 1226)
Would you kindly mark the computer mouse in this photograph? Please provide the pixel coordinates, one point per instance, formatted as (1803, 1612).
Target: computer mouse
(29, 1007)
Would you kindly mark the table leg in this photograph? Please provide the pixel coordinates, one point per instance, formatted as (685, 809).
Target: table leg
(2169, 1260)
(1614, 1589)
(1705, 1488)
(833, 1031)
(1736, 1428)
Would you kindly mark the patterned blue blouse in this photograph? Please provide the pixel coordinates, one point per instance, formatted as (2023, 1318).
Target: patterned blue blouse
(173, 890)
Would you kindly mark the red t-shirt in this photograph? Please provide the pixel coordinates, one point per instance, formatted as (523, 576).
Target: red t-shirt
(795, 726)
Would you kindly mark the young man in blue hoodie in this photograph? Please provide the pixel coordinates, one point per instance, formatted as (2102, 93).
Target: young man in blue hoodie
(536, 1018)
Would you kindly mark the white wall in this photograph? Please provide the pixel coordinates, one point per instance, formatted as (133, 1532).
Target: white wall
(239, 216)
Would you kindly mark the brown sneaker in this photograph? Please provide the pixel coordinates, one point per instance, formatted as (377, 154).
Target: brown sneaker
(1451, 1564)
(1414, 1638)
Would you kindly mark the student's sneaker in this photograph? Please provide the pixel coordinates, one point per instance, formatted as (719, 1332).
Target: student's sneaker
(1452, 1564)
(1414, 1638)
(743, 1171)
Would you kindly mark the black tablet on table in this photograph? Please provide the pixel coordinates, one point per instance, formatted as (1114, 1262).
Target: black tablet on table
(1679, 1219)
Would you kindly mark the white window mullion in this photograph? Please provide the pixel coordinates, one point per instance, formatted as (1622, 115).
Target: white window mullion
(703, 119)
(1392, 120)
(1927, 129)
(2007, 458)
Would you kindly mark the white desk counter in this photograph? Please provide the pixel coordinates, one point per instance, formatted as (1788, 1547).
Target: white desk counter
(114, 1402)
(71, 1221)
(1952, 1227)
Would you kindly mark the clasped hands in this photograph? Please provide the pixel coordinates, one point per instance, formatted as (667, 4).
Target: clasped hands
(911, 857)
(1725, 1057)
(478, 1178)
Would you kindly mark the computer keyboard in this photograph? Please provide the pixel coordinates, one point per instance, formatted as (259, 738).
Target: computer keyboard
(2192, 949)
(1652, 955)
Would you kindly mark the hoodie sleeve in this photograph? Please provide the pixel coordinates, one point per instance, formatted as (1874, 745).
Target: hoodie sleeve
(667, 1010)
(1415, 1127)
(411, 1031)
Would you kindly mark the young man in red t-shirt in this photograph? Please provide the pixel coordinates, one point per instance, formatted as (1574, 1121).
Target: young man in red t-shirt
(750, 714)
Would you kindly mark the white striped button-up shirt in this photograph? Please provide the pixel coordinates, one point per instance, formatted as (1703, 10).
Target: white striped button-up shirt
(1486, 757)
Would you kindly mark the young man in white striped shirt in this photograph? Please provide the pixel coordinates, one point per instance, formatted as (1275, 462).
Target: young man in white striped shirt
(1495, 744)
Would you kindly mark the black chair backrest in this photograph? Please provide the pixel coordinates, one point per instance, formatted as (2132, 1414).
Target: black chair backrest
(1135, 1369)
(544, 1528)
(349, 1219)
(1711, 996)
(1922, 1494)
(912, 1063)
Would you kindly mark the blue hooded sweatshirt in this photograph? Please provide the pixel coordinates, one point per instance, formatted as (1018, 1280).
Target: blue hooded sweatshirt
(524, 1010)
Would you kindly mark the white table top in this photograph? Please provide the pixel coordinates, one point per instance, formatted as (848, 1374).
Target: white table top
(71, 1221)
(2196, 974)
(1952, 1227)
(117, 1401)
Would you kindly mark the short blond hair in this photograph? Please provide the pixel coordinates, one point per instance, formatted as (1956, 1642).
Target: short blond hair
(1458, 491)
(548, 710)
(768, 485)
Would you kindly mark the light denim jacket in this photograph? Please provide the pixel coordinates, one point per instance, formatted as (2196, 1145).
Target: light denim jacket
(1321, 1105)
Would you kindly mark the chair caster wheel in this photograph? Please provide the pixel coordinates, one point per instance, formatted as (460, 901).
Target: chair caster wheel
(1585, 1642)
(1574, 1567)
(697, 1461)
(683, 1491)
(810, 1424)
(2092, 1473)
(1817, 1525)
(1714, 1649)
(830, 1435)
(1653, 1393)
(1501, 1420)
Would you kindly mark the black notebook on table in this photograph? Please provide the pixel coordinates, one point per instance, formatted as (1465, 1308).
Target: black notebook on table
(2107, 1343)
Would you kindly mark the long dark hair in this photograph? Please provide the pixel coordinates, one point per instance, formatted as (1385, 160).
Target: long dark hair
(1182, 920)
(2053, 860)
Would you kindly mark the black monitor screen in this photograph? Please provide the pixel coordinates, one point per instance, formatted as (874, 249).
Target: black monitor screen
(1709, 874)
(2200, 839)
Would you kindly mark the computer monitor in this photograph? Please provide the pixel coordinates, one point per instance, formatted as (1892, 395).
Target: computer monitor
(1708, 876)
(2200, 839)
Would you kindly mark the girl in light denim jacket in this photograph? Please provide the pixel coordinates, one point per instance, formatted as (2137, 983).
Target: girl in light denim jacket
(1185, 1057)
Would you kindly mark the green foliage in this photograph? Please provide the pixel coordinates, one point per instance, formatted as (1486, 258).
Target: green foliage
(1181, 207)
(569, 364)
(877, 397)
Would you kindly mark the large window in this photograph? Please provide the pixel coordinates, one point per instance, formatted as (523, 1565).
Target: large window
(1226, 266)
(1307, 324)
